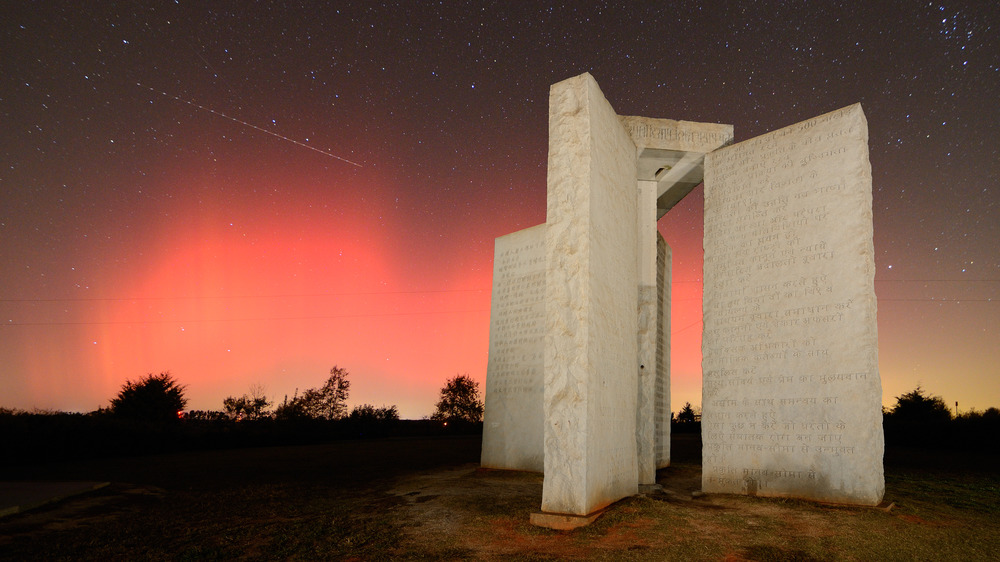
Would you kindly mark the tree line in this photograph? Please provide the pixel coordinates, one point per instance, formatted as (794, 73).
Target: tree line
(916, 419)
(921, 419)
(148, 415)
(161, 397)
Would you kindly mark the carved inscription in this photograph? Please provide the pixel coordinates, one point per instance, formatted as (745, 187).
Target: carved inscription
(676, 135)
(513, 417)
(791, 390)
(518, 324)
(668, 134)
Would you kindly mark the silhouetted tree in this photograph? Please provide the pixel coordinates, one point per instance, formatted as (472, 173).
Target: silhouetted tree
(292, 409)
(917, 406)
(459, 401)
(367, 420)
(206, 415)
(330, 400)
(327, 402)
(368, 413)
(686, 415)
(153, 397)
(250, 406)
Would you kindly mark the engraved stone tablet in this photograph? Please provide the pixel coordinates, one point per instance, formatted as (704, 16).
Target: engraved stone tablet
(591, 300)
(512, 420)
(791, 390)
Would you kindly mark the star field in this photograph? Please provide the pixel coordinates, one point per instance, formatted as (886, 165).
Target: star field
(177, 189)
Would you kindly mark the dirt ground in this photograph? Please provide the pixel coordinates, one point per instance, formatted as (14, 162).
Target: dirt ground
(427, 498)
(468, 512)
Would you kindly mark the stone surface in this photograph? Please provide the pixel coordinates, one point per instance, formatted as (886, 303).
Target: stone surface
(649, 133)
(591, 303)
(652, 430)
(578, 374)
(512, 420)
(672, 153)
(563, 521)
(791, 389)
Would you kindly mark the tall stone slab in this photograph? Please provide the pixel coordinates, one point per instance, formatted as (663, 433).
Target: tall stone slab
(513, 417)
(591, 303)
(653, 406)
(791, 390)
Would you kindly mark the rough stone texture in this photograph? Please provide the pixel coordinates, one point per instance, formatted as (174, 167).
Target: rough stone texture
(513, 418)
(652, 434)
(591, 350)
(791, 390)
(645, 423)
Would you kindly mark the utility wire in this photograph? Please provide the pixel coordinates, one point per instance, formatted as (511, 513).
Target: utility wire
(206, 297)
(260, 319)
(371, 293)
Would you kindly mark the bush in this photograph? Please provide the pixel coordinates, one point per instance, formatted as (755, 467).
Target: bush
(151, 398)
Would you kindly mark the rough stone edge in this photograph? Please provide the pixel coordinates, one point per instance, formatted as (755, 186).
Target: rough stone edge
(571, 485)
(564, 521)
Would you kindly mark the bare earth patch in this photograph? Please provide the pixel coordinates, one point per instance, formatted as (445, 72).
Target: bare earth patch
(428, 499)
(467, 512)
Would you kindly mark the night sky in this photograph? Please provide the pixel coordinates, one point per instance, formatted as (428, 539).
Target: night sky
(251, 193)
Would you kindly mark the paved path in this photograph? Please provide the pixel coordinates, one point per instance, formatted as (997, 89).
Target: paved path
(16, 497)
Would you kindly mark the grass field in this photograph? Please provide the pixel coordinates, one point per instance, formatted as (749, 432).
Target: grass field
(425, 498)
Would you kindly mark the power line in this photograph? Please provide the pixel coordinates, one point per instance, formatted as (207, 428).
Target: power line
(688, 327)
(937, 280)
(261, 319)
(372, 293)
(206, 297)
(388, 314)
(937, 300)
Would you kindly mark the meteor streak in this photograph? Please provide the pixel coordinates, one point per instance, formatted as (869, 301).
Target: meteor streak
(251, 125)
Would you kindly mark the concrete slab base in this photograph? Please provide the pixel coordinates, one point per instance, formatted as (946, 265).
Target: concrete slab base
(650, 488)
(564, 521)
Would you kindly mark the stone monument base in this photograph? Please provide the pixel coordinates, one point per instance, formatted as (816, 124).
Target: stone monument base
(564, 521)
